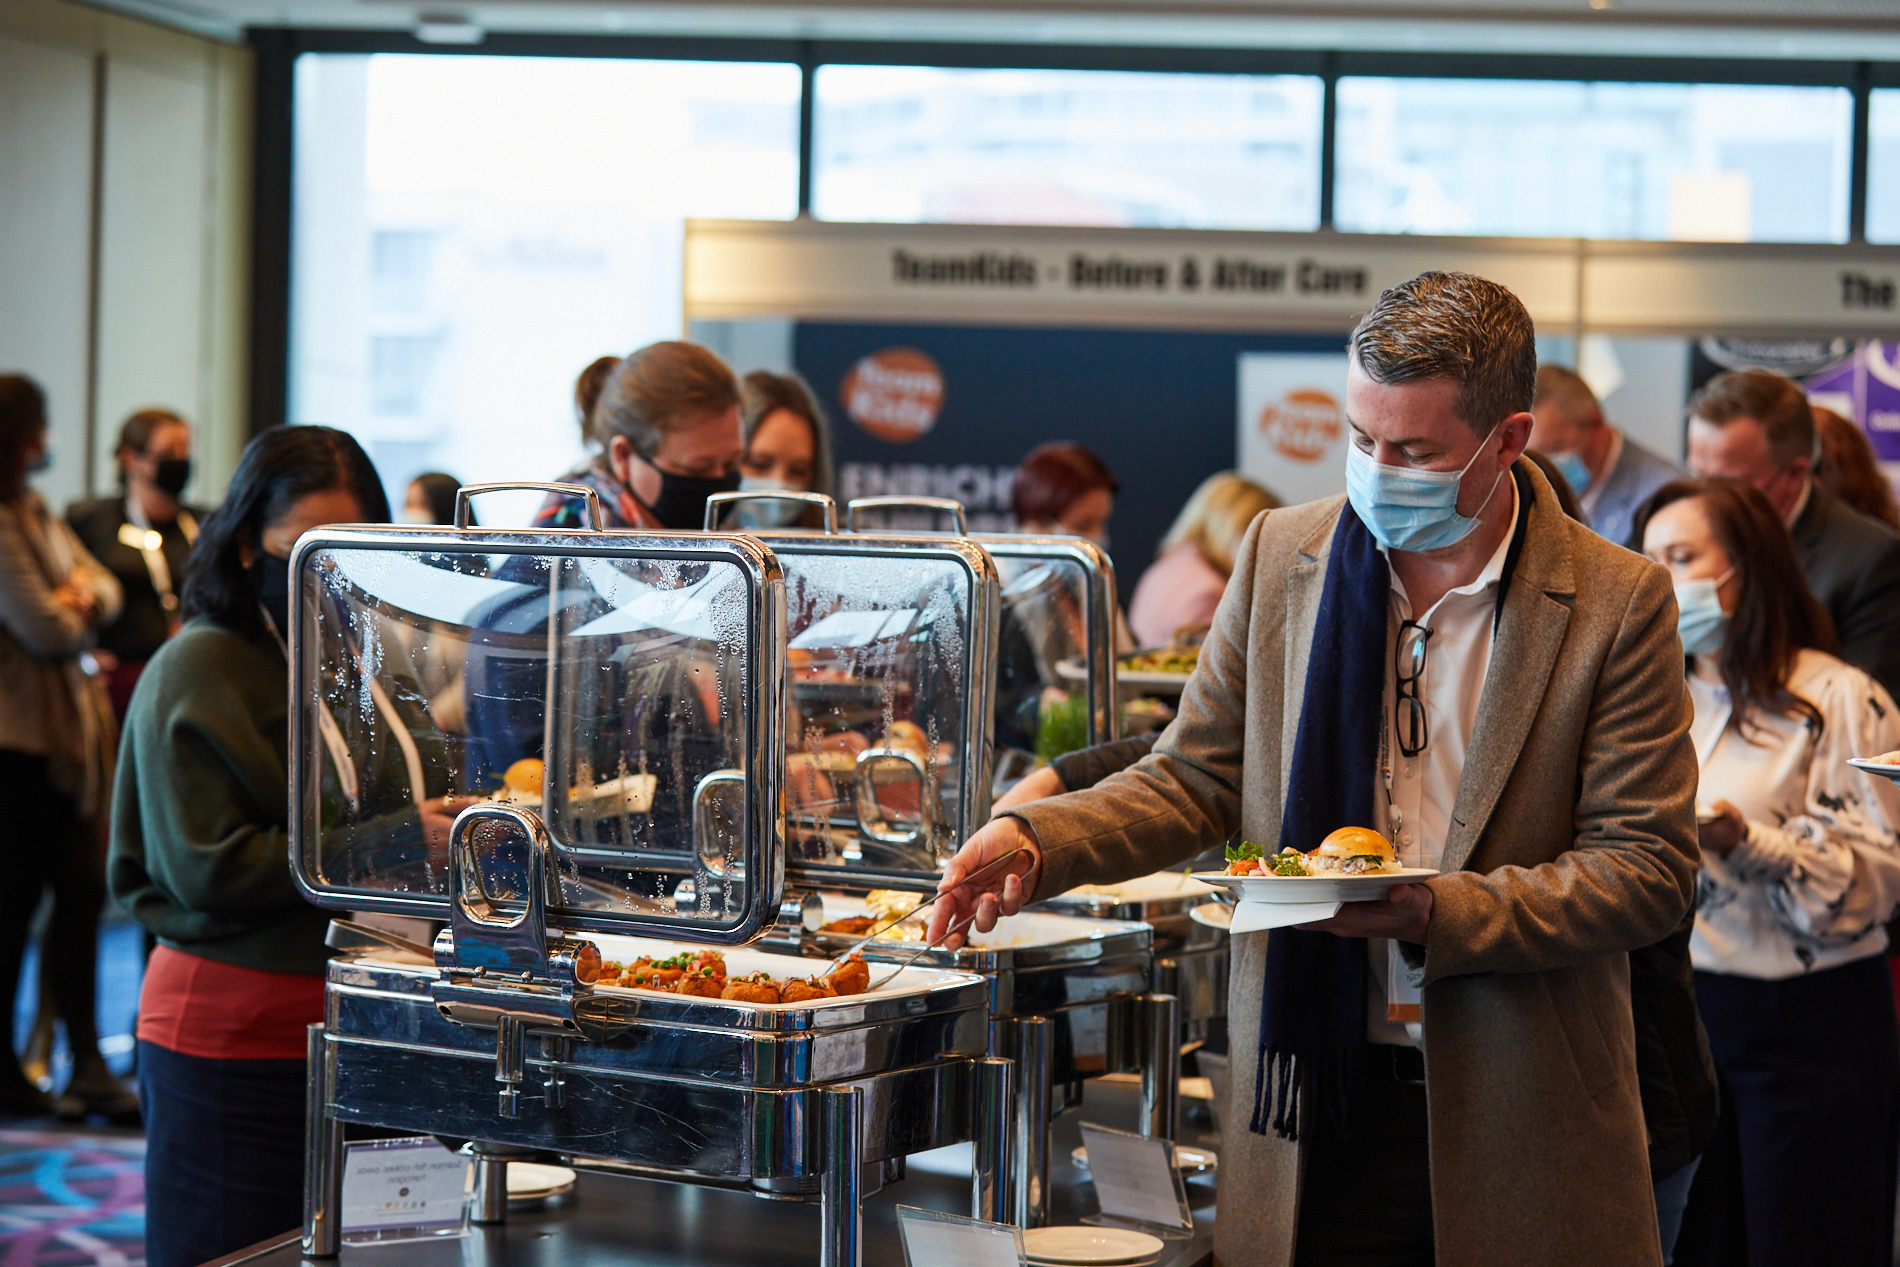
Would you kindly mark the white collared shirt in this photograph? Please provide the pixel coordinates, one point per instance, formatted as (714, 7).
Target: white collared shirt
(1425, 787)
(1588, 498)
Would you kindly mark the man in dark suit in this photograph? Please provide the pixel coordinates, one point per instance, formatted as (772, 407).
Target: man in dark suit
(1757, 426)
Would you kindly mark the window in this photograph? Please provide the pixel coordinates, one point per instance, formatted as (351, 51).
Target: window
(1883, 167)
(911, 144)
(471, 231)
(1695, 162)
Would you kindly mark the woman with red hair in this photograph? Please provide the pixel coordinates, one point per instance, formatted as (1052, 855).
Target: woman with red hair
(1063, 488)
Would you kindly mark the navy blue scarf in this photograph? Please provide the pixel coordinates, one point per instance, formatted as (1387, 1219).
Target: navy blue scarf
(1313, 1004)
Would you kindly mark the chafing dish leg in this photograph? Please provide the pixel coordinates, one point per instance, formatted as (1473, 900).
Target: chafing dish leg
(510, 1053)
(323, 1153)
(841, 1189)
(1035, 1064)
(490, 1202)
(1160, 1066)
(991, 1195)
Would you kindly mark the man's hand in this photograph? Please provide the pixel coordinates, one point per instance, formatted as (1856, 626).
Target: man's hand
(1000, 890)
(1722, 833)
(1037, 786)
(1403, 915)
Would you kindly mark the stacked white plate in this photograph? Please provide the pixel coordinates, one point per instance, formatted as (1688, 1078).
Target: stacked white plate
(1066, 1246)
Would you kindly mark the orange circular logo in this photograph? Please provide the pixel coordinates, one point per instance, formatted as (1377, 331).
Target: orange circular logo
(894, 394)
(1303, 424)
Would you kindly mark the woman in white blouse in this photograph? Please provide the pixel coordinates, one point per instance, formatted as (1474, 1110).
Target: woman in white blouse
(1800, 871)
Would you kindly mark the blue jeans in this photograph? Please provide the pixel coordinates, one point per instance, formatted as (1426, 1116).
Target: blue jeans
(1672, 1197)
(223, 1153)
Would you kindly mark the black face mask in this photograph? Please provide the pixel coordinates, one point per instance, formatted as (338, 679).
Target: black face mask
(681, 504)
(172, 475)
(270, 576)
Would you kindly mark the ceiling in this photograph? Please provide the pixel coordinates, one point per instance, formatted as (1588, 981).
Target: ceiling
(1825, 29)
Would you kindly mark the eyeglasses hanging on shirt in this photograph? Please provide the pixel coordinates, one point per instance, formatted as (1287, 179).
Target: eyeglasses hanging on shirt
(1408, 658)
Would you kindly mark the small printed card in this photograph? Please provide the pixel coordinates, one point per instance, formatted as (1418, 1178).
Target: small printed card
(934, 1239)
(1136, 1182)
(398, 1188)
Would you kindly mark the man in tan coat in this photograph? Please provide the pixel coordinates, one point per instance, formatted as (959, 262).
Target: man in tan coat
(1531, 732)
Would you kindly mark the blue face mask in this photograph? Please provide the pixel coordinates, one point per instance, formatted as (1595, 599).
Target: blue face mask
(42, 463)
(1572, 467)
(1406, 509)
(1700, 621)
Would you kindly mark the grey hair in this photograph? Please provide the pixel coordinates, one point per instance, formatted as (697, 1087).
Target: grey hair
(1453, 326)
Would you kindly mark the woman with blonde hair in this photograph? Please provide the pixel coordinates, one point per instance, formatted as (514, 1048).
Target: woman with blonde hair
(1193, 562)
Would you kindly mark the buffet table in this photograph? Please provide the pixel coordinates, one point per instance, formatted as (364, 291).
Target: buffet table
(615, 1222)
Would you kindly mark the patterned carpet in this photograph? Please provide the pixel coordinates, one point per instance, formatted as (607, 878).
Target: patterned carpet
(71, 1199)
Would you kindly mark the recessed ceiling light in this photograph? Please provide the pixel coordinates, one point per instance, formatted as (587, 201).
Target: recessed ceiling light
(447, 29)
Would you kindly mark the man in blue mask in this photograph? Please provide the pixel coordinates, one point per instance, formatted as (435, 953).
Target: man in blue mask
(1447, 1074)
(1610, 473)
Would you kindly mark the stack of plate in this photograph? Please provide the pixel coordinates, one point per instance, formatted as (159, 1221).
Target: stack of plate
(1068, 1246)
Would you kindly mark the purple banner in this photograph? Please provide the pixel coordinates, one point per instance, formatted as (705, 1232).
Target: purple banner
(1868, 385)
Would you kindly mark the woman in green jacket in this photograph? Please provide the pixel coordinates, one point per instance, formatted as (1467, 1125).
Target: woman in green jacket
(200, 849)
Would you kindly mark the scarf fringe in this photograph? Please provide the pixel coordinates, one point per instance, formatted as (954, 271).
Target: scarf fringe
(1279, 1090)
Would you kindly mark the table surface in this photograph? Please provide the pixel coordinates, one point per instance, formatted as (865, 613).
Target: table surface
(626, 1222)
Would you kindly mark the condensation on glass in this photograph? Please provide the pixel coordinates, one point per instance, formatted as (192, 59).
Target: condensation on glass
(919, 144)
(888, 673)
(609, 693)
(1689, 162)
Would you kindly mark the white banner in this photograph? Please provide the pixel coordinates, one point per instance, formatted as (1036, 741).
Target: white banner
(1292, 423)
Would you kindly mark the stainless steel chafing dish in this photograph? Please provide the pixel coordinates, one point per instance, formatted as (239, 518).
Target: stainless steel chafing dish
(645, 673)
(1190, 957)
(1069, 999)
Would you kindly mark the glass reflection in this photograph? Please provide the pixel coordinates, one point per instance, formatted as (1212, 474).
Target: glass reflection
(606, 694)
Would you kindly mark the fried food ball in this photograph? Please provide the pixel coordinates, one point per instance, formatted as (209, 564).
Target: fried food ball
(757, 988)
(805, 991)
(853, 976)
(703, 983)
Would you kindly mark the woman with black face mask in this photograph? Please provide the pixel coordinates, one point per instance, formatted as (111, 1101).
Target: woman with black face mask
(144, 537)
(668, 423)
(200, 844)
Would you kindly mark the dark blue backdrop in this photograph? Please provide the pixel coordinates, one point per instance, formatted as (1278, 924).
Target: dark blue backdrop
(1158, 406)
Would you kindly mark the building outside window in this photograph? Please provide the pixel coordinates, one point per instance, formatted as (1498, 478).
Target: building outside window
(471, 231)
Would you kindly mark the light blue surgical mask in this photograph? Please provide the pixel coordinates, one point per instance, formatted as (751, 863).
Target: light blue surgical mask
(41, 463)
(1700, 621)
(1406, 509)
(1574, 469)
(767, 512)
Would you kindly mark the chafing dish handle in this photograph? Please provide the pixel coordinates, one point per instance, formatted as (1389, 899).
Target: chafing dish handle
(717, 503)
(871, 821)
(484, 937)
(942, 505)
(709, 855)
(469, 492)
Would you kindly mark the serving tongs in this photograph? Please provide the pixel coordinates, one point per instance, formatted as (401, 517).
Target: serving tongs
(895, 920)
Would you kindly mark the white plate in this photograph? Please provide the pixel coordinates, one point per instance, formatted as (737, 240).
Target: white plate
(1880, 768)
(1214, 915)
(1314, 888)
(1089, 1245)
(530, 1181)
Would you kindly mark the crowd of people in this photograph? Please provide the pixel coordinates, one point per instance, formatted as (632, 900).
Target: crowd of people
(1609, 699)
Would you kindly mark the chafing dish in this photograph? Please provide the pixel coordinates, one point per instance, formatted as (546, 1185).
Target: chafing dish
(1190, 957)
(641, 679)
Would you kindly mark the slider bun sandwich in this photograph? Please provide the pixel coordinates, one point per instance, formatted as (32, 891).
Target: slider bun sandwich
(1352, 851)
